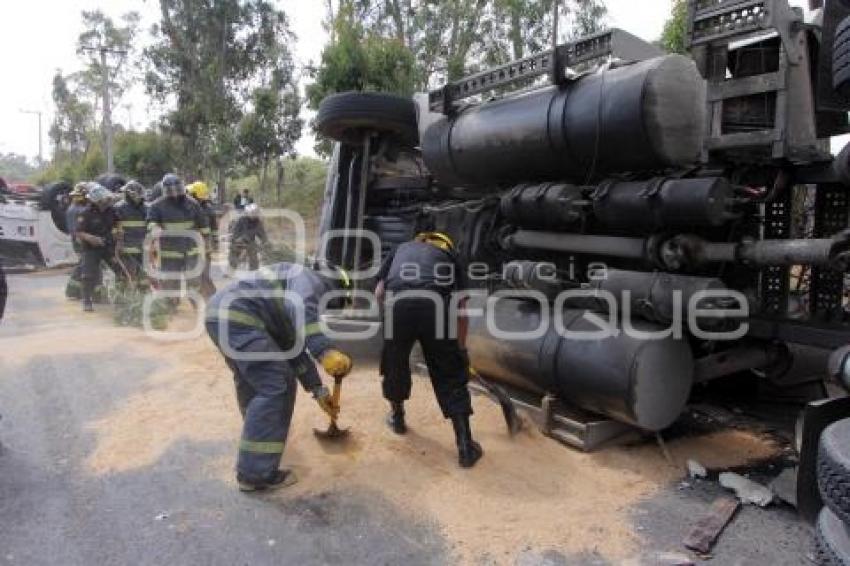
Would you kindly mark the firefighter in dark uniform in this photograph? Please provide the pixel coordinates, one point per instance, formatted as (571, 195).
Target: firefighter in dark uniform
(426, 264)
(94, 232)
(253, 333)
(74, 287)
(178, 255)
(130, 229)
(201, 193)
(247, 234)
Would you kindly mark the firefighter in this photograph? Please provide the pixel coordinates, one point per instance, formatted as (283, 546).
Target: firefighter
(94, 232)
(247, 233)
(427, 264)
(74, 289)
(201, 193)
(178, 254)
(252, 333)
(130, 229)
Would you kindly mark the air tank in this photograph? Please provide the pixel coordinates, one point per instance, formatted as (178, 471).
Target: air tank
(638, 381)
(640, 117)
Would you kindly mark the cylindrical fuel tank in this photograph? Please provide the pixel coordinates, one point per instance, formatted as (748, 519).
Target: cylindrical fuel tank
(639, 117)
(664, 203)
(638, 381)
(652, 295)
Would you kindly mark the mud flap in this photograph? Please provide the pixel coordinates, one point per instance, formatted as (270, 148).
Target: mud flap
(815, 418)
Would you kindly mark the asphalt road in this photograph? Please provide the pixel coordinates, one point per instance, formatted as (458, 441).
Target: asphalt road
(63, 375)
(54, 511)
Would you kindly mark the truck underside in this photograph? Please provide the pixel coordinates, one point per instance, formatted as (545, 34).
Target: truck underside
(673, 185)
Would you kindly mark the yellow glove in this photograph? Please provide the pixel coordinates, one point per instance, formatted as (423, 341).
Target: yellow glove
(336, 363)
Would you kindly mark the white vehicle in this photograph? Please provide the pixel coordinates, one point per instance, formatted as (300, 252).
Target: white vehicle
(32, 233)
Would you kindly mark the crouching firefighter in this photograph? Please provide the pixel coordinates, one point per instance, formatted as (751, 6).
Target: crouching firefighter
(131, 229)
(94, 232)
(415, 283)
(266, 327)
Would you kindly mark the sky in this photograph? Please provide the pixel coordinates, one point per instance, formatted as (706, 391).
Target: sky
(29, 60)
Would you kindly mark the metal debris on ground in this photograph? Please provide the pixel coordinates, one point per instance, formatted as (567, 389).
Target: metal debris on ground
(747, 491)
(696, 470)
(708, 529)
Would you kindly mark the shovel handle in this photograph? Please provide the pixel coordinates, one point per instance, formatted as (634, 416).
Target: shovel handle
(337, 392)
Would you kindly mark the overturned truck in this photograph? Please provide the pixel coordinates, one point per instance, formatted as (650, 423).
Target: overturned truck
(699, 190)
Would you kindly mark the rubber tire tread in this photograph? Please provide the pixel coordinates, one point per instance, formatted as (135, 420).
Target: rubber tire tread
(345, 116)
(834, 468)
(832, 540)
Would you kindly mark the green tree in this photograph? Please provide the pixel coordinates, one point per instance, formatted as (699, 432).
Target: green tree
(363, 61)
(271, 129)
(73, 119)
(208, 55)
(674, 36)
(100, 32)
(145, 156)
(14, 167)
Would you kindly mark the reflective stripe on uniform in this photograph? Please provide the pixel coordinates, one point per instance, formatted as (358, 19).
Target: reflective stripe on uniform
(131, 251)
(132, 223)
(205, 231)
(171, 255)
(312, 329)
(261, 447)
(237, 317)
(185, 225)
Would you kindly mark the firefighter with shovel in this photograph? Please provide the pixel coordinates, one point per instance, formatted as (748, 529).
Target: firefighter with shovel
(267, 328)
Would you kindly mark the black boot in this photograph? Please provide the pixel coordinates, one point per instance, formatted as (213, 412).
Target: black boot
(395, 419)
(88, 291)
(468, 451)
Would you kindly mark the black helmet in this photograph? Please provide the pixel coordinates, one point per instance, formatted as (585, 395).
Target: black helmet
(172, 186)
(133, 191)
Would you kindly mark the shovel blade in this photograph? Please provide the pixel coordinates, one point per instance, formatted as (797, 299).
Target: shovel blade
(333, 432)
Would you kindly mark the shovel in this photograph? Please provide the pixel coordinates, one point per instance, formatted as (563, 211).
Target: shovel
(512, 419)
(333, 431)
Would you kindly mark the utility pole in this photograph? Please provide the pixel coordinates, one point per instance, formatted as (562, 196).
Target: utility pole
(107, 114)
(107, 103)
(40, 146)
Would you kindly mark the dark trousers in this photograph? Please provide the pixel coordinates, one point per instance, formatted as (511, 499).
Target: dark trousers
(91, 273)
(265, 391)
(180, 266)
(239, 249)
(134, 266)
(416, 320)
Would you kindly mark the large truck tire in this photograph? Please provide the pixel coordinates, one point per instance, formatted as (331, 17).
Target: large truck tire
(834, 468)
(54, 197)
(841, 58)
(346, 116)
(832, 540)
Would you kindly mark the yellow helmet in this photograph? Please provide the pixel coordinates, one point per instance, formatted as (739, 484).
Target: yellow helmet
(438, 239)
(199, 190)
(78, 193)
